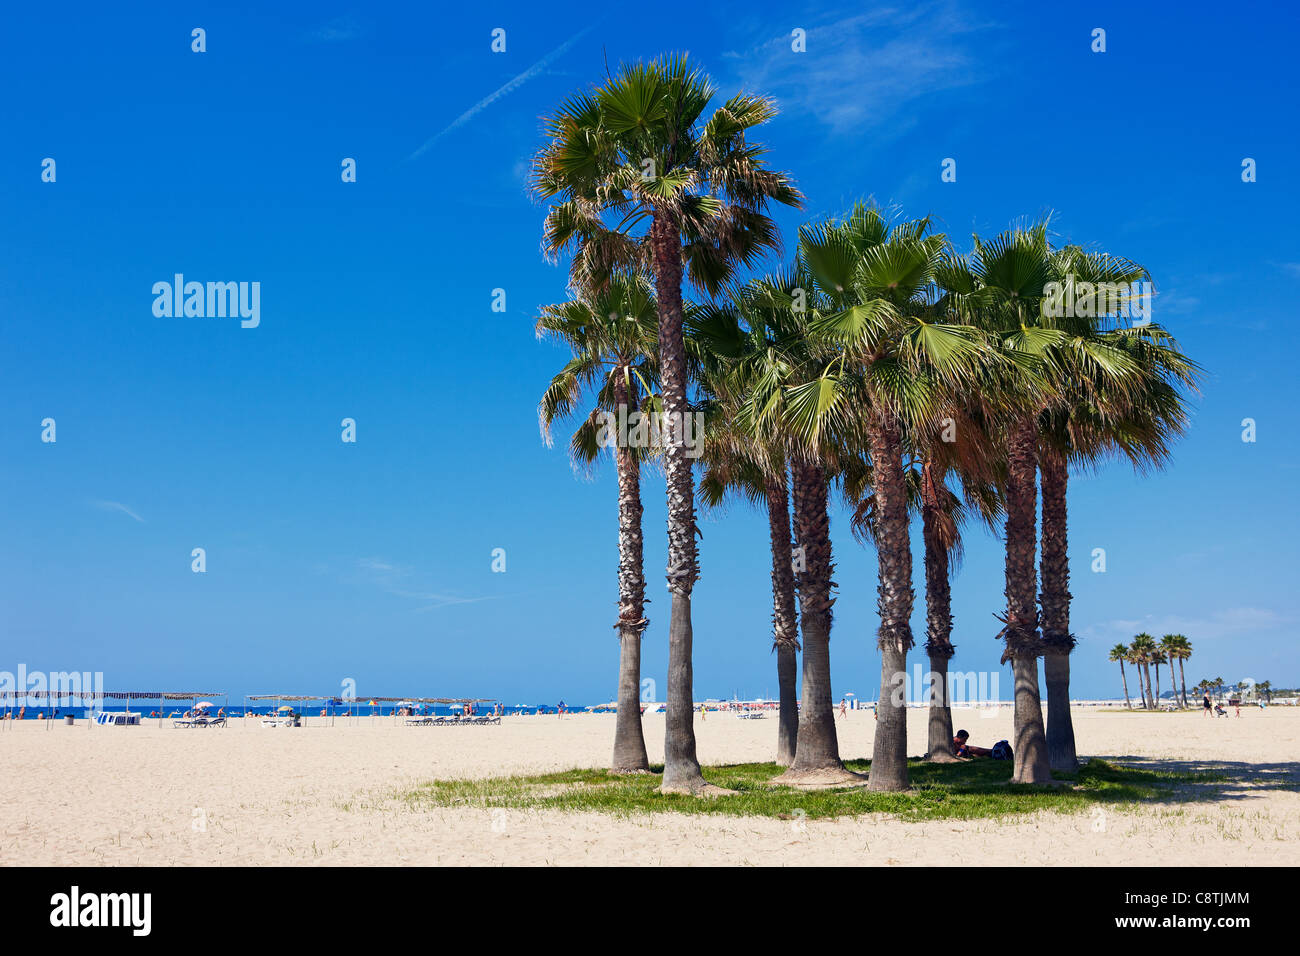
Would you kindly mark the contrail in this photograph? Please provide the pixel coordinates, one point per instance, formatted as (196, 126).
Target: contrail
(510, 87)
(118, 506)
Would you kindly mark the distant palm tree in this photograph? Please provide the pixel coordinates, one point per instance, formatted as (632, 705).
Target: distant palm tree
(1177, 648)
(612, 335)
(638, 151)
(1157, 657)
(1120, 653)
(1144, 648)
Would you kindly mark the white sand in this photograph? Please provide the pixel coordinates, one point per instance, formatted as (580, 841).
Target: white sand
(325, 795)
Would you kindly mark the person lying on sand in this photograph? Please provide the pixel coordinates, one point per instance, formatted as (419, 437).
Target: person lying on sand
(963, 749)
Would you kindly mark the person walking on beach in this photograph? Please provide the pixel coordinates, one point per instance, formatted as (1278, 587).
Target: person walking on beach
(844, 707)
(1205, 706)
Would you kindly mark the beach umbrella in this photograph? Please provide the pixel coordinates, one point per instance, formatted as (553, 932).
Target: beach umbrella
(204, 703)
(285, 707)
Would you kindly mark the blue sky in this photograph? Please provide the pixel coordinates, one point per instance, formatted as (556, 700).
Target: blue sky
(373, 561)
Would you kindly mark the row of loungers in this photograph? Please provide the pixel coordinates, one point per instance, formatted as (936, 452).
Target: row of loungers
(199, 722)
(454, 721)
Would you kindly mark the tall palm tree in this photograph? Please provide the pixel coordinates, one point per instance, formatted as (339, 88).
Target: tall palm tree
(636, 151)
(1002, 287)
(612, 335)
(1184, 650)
(1157, 657)
(1143, 647)
(1120, 653)
(1117, 391)
(784, 367)
(738, 463)
(1176, 648)
(879, 303)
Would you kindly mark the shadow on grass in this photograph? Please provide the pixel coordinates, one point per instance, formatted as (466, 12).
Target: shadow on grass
(1215, 781)
(969, 790)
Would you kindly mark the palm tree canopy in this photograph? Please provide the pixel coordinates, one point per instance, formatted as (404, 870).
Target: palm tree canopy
(612, 335)
(640, 145)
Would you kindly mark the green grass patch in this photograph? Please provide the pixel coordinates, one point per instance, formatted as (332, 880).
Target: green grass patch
(961, 791)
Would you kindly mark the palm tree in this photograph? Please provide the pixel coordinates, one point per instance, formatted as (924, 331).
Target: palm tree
(636, 150)
(1265, 687)
(612, 335)
(1002, 288)
(726, 355)
(1116, 392)
(1177, 648)
(783, 367)
(1143, 647)
(901, 357)
(1120, 653)
(1184, 650)
(1157, 657)
(943, 513)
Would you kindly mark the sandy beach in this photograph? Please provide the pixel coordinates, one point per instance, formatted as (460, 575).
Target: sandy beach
(331, 795)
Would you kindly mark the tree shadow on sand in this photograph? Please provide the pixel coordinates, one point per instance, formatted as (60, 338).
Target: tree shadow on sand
(1215, 781)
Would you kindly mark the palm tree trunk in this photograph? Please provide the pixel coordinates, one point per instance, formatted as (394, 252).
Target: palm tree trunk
(1055, 601)
(938, 618)
(817, 752)
(1148, 702)
(629, 740)
(1183, 674)
(785, 623)
(681, 766)
(1124, 677)
(1021, 631)
(894, 599)
(1156, 699)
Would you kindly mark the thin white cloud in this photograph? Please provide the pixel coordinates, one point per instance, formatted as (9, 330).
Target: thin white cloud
(118, 506)
(403, 582)
(869, 70)
(1229, 622)
(537, 69)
